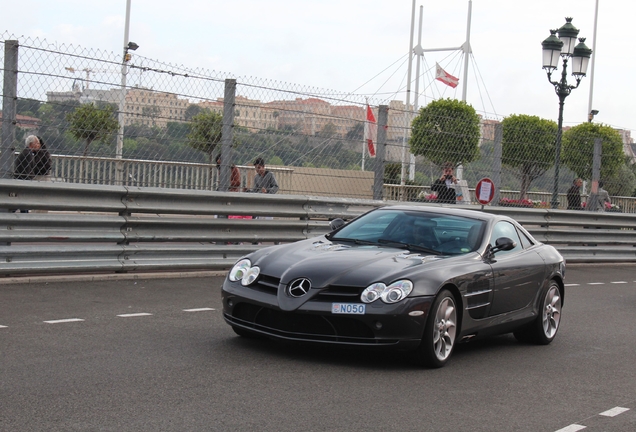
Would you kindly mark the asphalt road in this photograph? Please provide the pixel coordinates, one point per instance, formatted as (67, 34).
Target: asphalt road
(156, 355)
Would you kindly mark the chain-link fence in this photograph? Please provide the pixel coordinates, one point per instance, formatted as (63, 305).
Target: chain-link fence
(141, 122)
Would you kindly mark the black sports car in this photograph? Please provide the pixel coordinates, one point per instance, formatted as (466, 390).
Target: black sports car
(416, 278)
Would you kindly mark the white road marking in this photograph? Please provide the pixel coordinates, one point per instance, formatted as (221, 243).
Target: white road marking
(614, 412)
(596, 283)
(572, 428)
(571, 285)
(63, 320)
(134, 315)
(618, 282)
(198, 310)
(1, 326)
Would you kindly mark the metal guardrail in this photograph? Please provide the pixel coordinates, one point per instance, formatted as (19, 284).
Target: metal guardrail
(95, 228)
(91, 228)
(411, 193)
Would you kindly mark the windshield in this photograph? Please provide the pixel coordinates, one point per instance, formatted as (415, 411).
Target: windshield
(416, 230)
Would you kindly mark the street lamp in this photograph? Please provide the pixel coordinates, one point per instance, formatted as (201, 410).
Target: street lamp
(565, 47)
(591, 115)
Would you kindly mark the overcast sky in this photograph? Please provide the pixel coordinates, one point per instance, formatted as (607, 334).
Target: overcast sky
(361, 45)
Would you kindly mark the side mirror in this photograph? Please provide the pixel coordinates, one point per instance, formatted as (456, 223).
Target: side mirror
(503, 244)
(336, 224)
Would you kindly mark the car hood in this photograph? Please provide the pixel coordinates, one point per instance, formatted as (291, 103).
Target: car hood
(325, 263)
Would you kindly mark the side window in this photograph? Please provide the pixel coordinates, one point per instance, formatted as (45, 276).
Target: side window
(505, 229)
(525, 241)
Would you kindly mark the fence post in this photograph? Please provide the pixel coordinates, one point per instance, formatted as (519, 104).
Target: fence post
(592, 199)
(378, 178)
(9, 107)
(227, 133)
(496, 164)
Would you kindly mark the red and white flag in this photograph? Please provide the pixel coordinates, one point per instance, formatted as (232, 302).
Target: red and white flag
(445, 77)
(370, 132)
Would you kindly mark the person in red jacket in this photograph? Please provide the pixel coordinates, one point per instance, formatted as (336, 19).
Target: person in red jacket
(235, 175)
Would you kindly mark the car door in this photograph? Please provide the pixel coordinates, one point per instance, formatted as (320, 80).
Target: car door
(517, 273)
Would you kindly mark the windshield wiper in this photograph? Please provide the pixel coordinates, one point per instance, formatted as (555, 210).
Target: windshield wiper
(409, 246)
(356, 241)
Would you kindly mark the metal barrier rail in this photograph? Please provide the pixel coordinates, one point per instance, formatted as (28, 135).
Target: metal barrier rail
(95, 228)
(91, 228)
(395, 192)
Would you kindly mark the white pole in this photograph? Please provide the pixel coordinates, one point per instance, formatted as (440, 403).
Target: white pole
(364, 142)
(589, 105)
(467, 50)
(407, 114)
(416, 97)
(122, 100)
(364, 134)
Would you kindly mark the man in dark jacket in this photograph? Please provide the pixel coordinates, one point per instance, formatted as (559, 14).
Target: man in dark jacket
(444, 186)
(574, 195)
(34, 161)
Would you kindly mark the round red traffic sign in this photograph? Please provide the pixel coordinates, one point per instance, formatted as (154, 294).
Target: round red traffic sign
(485, 191)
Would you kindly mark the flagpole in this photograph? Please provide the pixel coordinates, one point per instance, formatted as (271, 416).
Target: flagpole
(467, 50)
(408, 96)
(364, 133)
(589, 105)
(416, 98)
(417, 54)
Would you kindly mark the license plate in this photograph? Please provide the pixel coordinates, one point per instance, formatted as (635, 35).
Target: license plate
(348, 308)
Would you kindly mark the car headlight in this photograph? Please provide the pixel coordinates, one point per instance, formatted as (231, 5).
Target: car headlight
(372, 292)
(389, 294)
(397, 291)
(250, 276)
(244, 272)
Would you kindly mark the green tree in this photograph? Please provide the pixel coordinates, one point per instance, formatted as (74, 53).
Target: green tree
(446, 130)
(276, 161)
(205, 134)
(27, 107)
(578, 150)
(191, 111)
(528, 146)
(622, 183)
(356, 133)
(89, 123)
(328, 131)
(392, 173)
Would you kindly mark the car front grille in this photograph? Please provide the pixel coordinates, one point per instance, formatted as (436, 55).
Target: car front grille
(268, 284)
(304, 326)
(333, 293)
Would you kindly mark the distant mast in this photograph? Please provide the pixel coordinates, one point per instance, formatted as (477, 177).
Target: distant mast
(419, 51)
(589, 105)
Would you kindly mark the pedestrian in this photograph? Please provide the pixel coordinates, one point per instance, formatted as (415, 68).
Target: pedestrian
(574, 195)
(42, 161)
(235, 175)
(597, 201)
(264, 180)
(25, 162)
(33, 163)
(445, 185)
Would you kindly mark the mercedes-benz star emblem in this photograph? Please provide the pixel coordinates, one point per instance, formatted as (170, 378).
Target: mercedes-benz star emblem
(299, 287)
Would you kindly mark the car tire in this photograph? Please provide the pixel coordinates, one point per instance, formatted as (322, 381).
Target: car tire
(440, 332)
(544, 328)
(245, 333)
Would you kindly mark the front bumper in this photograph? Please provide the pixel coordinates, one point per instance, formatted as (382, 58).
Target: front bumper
(382, 325)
